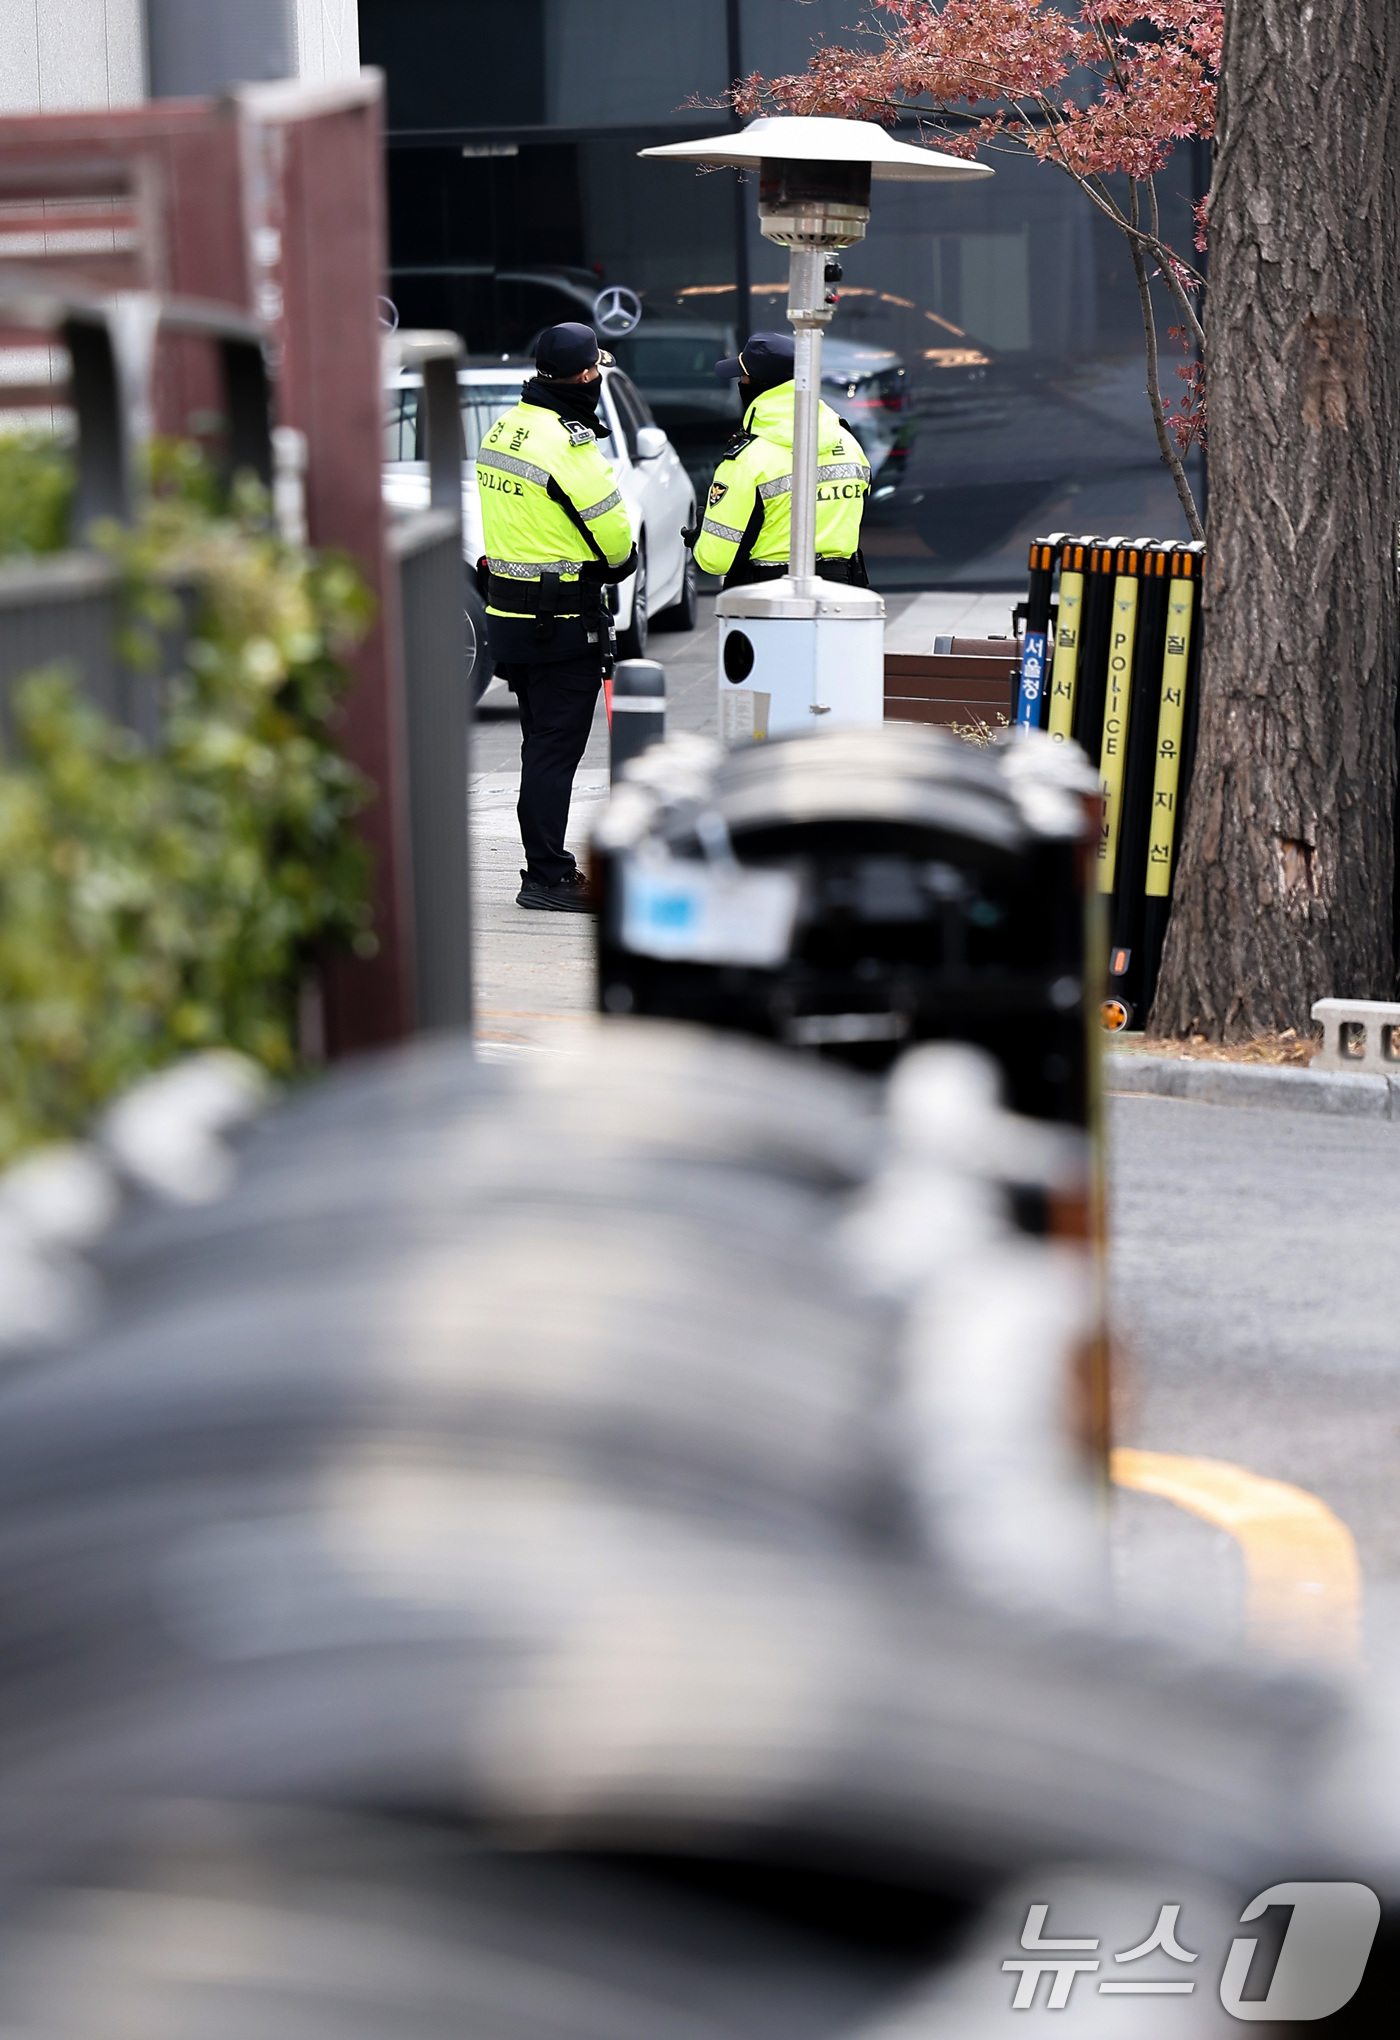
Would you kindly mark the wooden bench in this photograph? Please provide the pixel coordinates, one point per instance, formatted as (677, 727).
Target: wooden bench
(965, 680)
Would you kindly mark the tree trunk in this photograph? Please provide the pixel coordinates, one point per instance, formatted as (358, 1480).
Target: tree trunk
(1284, 890)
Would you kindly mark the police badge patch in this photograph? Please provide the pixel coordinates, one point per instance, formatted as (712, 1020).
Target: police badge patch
(718, 492)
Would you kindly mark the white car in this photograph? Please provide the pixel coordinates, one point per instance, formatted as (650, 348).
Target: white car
(653, 484)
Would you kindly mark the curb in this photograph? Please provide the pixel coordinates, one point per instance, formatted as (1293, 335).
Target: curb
(1261, 1086)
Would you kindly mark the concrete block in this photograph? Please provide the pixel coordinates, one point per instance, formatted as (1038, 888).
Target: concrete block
(1359, 1034)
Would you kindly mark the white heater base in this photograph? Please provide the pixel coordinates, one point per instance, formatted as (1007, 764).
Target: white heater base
(803, 661)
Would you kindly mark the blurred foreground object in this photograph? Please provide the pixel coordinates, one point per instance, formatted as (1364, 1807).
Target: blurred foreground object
(591, 1548)
(856, 891)
(162, 1135)
(853, 892)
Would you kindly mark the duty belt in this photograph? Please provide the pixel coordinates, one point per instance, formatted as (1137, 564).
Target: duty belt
(829, 567)
(544, 594)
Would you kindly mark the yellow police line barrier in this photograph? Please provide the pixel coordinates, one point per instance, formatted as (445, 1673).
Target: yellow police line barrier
(1170, 725)
(1120, 682)
(1068, 627)
(1167, 787)
(1117, 707)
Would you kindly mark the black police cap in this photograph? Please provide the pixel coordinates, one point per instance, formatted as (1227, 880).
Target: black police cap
(764, 359)
(566, 350)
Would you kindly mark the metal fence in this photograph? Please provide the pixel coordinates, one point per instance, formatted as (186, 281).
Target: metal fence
(432, 597)
(64, 611)
(64, 608)
(431, 589)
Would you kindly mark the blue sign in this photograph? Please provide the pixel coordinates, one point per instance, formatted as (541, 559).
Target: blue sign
(1032, 680)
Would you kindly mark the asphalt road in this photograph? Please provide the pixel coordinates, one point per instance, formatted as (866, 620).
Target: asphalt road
(1256, 1292)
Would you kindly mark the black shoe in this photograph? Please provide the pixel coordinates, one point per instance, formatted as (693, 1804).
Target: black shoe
(569, 895)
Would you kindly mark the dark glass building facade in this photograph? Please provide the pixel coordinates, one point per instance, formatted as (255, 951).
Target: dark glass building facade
(988, 343)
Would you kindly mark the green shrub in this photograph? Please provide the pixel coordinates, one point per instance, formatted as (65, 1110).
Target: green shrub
(36, 493)
(156, 899)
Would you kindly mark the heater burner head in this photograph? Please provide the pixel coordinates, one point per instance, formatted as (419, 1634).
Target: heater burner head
(813, 204)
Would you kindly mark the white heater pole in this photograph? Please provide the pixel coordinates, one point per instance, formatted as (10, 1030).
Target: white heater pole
(808, 312)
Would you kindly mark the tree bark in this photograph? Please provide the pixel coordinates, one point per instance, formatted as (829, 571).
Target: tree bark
(1284, 889)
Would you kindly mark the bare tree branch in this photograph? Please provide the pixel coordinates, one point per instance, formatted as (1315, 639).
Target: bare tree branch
(1171, 459)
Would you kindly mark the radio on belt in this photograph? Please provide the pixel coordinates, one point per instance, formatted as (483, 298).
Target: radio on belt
(803, 653)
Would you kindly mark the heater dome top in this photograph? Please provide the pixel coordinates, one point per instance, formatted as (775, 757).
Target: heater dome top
(817, 138)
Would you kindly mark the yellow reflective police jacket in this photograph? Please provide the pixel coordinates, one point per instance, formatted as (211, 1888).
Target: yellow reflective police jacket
(529, 460)
(754, 483)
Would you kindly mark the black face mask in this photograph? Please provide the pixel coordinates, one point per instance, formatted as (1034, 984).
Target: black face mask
(568, 400)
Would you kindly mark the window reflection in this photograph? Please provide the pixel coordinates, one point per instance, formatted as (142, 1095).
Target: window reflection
(987, 348)
(482, 404)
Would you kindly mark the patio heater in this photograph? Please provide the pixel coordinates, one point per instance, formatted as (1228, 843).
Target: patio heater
(803, 653)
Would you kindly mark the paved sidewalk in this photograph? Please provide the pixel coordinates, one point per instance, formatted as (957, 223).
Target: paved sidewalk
(952, 612)
(527, 964)
(533, 967)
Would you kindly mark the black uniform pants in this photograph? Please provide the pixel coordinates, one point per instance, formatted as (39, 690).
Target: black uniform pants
(556, 715)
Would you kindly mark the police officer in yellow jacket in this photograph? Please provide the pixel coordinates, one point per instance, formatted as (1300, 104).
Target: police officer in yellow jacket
(557, 534)
(747, 525)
